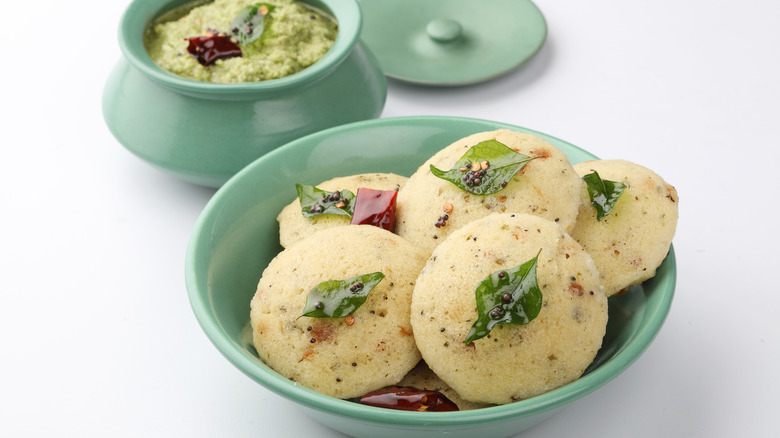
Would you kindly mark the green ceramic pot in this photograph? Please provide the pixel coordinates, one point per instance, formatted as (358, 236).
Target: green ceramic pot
(237, 235)
(204, 132)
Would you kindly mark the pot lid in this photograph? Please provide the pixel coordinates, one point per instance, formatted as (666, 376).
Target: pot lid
(451, 42)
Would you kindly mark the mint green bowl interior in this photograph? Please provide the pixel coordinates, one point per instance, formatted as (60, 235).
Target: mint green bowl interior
(237, 235)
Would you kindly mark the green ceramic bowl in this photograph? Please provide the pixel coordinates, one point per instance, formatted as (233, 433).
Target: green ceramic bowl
(237, 235)
(204, 132)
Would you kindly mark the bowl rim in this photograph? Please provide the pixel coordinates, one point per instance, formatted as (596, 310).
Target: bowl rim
(586, 384)
(141, 13)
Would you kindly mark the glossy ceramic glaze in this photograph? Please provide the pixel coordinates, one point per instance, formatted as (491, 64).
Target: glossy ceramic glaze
(204, 132)
(452, 42)
(237, 235)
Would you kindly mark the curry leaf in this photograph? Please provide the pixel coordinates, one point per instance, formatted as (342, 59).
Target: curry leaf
(508, 296)
(495, 166)
(315, 202)
(337, 298)
(248, 24)
(603, 194)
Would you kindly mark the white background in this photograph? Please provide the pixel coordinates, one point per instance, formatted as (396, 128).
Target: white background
(98, 338)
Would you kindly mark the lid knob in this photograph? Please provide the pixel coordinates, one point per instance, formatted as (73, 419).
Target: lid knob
(444, 30)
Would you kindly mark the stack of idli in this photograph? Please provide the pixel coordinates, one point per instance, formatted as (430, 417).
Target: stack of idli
(446, 242)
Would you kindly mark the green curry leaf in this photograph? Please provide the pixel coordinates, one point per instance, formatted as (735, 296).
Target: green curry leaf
(247, 26)
(315, 202)
(502, 164)
(338, 298)
(508, 296)
(603, 194)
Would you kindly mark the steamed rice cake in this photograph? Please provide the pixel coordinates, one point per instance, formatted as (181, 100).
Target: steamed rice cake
(422, 377)
(547, 187)
(630, 243)
(341, 357)
(513, 362)
(293, 226)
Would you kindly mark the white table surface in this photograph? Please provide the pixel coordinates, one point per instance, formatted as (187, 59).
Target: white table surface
(98, 338)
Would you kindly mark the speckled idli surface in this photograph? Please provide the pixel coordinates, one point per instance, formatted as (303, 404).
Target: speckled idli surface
(513, 362)
(422, 377)
(293, 226)
(327, 354)
(547, 187)
(630, 243)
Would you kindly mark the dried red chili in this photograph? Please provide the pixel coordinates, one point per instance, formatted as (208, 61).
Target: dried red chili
(407, 398)
(375, 207)
(208, 48)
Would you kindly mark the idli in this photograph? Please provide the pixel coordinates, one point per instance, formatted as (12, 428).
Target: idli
(348, 356)
(293, 226)
(430, 208)
(513, 362)
(422, 377)
(630, 243)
